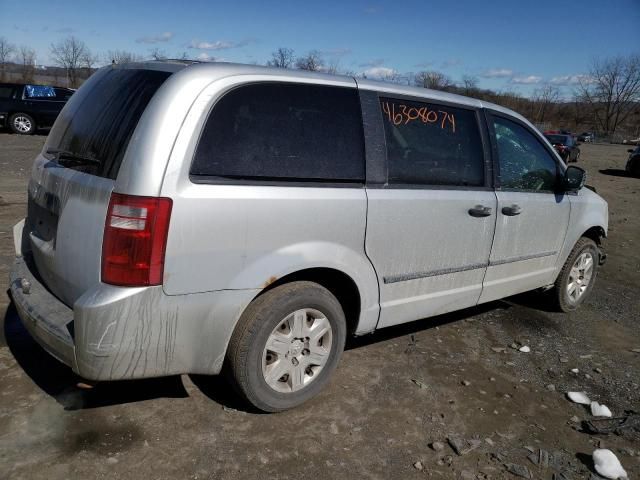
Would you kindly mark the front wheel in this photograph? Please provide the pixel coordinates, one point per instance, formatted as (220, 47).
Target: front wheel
(22, 124)
(576, 279)
(286, 346)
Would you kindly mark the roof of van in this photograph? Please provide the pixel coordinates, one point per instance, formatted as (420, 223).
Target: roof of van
(225, 69)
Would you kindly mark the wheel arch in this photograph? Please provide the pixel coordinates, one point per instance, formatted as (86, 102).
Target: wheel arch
(341, 285)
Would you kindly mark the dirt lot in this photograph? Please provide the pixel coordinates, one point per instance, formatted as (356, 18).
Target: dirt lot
(395, 393)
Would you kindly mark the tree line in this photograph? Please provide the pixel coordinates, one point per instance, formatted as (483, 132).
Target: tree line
(606, 99)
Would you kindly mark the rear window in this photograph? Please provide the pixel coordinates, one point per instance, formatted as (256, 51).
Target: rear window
(288, 132)
(98, 123)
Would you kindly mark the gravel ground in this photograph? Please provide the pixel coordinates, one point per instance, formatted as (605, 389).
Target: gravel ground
(401, 402)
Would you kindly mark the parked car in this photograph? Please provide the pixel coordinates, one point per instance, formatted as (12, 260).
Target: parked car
(199, 218)
(25, 108)
(586, 137)
(633, 162)
(566, 146)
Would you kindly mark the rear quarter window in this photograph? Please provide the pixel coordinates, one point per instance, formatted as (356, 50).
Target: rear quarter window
(284, 132)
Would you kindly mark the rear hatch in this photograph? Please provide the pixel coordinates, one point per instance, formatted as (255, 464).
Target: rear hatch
(73, 177)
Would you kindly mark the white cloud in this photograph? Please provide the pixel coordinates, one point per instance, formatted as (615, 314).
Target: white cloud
(528, 80)
(379, 72)
(163, 37)
(217, 45)
(570, 79)
(498, 73)
(205, 57)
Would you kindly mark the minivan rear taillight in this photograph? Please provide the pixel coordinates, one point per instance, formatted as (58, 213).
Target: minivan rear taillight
(135, 237)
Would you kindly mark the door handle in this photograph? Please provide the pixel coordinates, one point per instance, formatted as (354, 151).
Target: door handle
(512, 210)
(480, 211)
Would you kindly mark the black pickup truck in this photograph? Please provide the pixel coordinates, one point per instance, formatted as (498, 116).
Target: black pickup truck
(25, 108)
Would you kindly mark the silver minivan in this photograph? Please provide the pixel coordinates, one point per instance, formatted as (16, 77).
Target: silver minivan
(208, 218)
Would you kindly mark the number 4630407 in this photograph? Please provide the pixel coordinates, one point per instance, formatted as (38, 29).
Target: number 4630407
(403, 114)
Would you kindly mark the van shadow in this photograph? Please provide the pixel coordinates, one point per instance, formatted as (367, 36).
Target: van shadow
(59, 381)
(218, 389)
(615, 172)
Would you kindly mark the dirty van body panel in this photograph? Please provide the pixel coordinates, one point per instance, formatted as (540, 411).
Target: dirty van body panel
(65, 222)
(247, 235)
(429, 253)
(526, 246)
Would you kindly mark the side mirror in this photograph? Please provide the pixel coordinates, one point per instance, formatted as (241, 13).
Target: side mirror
(630, 150)
(574, 178)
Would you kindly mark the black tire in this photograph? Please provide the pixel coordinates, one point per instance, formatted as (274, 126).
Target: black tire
(19, 121)
(244, 361)
(559, 294)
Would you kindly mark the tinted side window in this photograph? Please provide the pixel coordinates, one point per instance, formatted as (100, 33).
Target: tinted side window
(524, 164)
(431, 144)
(283, 131)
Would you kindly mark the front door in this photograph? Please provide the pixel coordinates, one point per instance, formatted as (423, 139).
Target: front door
(532, 216)
(430, 225)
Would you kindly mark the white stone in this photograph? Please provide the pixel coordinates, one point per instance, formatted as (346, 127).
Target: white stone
(524, 349)
(608, 465)
(598, 410)
(579, 397)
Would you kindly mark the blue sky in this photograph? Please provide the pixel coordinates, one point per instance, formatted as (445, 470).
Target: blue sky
(508, 45)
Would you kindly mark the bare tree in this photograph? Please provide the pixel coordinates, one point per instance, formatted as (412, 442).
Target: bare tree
(6, 50)
(612, 90)
(281, 58)
(333, 67)
(433, 80)
(72, 54)
(122, 57)
(469, 85)
(312, 61)
(27, 57)
(157, 54)
(542, 100)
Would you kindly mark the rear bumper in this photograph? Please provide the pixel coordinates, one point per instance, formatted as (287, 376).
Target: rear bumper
(47, 319)
(126, 333)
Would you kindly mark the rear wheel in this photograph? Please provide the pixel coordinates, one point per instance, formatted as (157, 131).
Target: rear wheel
(22, 124)
(576, 279)
(286, 346)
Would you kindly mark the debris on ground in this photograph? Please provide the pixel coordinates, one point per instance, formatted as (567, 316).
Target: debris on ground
(579, 397)
(437, 446)
(598, 410)
(541, 458)
(419, 383)
(462, 446)
(418, 466)
(524, 349)
(612, 425)
(518, 470)
(607, 464)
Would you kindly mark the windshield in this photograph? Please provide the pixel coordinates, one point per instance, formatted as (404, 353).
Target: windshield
(98, 123)
(557, 139)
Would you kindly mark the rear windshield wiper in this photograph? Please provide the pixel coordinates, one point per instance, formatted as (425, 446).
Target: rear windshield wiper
(66, 158)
